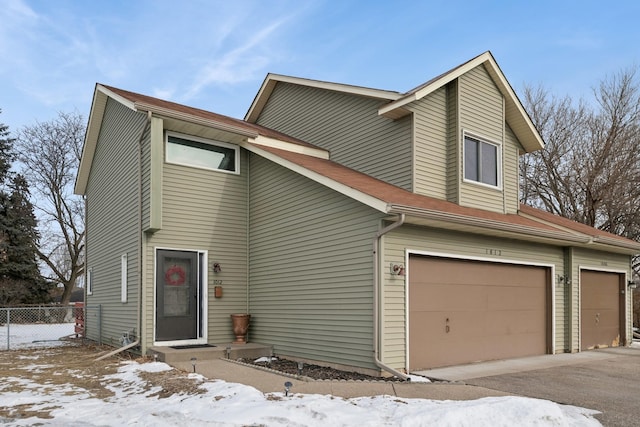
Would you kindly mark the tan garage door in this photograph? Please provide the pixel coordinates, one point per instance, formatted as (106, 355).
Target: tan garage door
(601, 315)
(467, 311)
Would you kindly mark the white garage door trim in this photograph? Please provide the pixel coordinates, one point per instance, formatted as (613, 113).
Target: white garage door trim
(626, 297)
(552, 286)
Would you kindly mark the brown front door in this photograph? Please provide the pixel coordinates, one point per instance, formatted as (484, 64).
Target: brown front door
(467, 311)
(601, 306)
(177, 295)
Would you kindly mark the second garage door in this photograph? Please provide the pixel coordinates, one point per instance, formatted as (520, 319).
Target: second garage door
(466, 311)
(601, 316)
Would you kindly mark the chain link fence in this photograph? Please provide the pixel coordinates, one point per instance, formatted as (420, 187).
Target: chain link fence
(42, 326)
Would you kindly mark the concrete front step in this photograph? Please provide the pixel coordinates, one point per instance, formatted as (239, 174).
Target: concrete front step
(219, 351)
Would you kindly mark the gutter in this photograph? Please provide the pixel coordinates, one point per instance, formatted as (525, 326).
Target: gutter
(140, 248)
(488, 223)
(376, 298)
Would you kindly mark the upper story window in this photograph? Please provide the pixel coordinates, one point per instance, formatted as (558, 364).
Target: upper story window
(201, 153)
(481, 161)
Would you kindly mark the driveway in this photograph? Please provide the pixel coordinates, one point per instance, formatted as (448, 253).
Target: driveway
(607, 380)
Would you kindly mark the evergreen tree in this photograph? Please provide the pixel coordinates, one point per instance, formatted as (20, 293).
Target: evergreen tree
(20, 279)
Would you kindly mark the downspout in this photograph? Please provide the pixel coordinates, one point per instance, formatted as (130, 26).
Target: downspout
(140, 248)
(376, 298)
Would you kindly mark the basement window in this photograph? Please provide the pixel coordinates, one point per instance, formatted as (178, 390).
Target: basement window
(481, 161)
(202, 153)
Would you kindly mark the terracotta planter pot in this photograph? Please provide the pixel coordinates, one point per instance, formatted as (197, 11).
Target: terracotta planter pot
(240, 323)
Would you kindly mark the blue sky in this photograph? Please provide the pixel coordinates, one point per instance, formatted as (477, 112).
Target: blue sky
(215, 54)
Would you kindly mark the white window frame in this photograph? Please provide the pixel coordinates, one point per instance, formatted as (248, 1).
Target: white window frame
(124, 271)
(89, 283)
(482, 140)
(211, 142)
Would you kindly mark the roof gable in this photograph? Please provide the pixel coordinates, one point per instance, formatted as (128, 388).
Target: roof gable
(270, 82)
(516, 116)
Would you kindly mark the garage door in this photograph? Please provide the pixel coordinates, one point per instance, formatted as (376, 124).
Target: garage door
(467, 311)
(600, 311)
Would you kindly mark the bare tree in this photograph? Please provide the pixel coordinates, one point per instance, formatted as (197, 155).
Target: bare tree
(590, 168)
(50, 152)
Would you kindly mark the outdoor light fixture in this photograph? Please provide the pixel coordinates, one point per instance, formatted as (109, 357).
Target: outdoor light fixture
(228, 352)
(563, 279)
(287, 387)
(632, 285)
(396, 269)
(300, 367)
(193, 363)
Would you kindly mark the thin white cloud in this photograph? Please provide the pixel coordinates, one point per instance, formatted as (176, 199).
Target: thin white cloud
(237, 65)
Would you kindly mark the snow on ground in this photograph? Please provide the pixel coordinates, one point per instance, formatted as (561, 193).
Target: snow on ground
(229, 404)
(34, 335)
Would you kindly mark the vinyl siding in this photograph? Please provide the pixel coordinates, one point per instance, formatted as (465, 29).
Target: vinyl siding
(511, 172)
(430, 141)
(112, 223)
(348, 126)
(600, 261)
(481, 114)
(311, 268)
(431, 240)
(205, 210)
(454, 164)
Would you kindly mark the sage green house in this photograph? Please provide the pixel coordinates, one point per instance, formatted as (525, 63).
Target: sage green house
(361, 228)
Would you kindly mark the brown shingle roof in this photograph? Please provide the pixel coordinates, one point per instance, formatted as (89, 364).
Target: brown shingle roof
(533, 219)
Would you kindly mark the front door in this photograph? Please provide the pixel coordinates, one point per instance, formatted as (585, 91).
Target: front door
(178, 293)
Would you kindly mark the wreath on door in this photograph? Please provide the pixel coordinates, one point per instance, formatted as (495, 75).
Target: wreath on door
(175, 276)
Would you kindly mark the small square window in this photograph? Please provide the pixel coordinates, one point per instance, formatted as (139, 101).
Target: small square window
(480, 161)
(196, 152)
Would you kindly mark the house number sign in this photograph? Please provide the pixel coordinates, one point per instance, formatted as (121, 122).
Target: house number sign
(497, 252)
(217, 282)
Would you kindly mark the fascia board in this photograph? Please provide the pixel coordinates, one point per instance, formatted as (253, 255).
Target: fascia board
(373, 202)
(489, 224)
(121, 99)
(602, 240)
(98, 105)
(288, 146)
(446, 78)
(550, 224)
(172, 114)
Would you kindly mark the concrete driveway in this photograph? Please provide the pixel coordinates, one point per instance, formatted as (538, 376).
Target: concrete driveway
(607, 380)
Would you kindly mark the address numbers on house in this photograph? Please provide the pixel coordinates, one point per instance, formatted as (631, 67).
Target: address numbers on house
(495, 252)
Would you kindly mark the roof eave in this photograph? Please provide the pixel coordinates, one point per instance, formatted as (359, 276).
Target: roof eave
(482, 225)
(191, 118)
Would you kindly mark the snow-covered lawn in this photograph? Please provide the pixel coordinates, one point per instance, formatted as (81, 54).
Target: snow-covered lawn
(34, 335)
(36, 391)
(32, 398)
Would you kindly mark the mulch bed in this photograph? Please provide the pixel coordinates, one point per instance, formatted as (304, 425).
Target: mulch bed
(316, 372)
